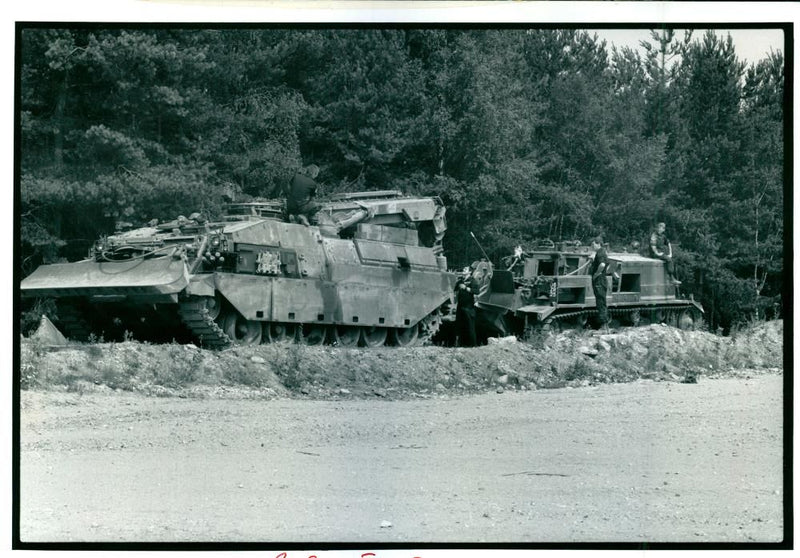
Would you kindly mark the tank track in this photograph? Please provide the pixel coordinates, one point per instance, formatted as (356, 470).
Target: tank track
(195, 316)
(622, 312)
(72, 323)
(429, 327)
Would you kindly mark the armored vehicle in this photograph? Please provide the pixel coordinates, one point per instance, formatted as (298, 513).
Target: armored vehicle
(369, 271)
(549, 287)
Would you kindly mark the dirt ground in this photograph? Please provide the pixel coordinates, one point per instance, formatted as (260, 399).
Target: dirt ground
(642, 461)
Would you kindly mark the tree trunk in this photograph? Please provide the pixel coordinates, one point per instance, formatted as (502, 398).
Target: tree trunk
(58, 124)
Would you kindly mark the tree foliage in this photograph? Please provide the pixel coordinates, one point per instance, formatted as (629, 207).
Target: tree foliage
(524, 133)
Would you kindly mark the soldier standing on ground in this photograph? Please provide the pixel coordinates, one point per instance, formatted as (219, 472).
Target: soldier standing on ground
(300, 191)
(466, 287)
(661, 248)
(598, 272)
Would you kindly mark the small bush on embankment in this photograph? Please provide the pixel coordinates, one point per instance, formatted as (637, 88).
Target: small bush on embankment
(574, 358)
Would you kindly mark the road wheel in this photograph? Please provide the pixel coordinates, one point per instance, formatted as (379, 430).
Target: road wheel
(313, 334)
(658, 316)
(634, 318)
(551, 325)
(405, 336)
(374, 336)
(346, 336)
(240, 330)
(276, 332)
(580, 321)
(213, 305)
(672, 318)
(685, 320)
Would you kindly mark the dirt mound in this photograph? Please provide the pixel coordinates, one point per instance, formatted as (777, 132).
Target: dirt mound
(571, 358)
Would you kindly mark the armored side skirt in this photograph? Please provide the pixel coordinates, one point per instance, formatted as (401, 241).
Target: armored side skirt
(315, 300)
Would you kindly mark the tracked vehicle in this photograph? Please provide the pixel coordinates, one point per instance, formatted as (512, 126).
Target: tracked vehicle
(549, 287)
(370, 271)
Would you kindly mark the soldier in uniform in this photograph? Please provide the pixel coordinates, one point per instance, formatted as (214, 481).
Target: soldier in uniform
(466, 288)
(599, 285)
(661, 248)
(300, 192)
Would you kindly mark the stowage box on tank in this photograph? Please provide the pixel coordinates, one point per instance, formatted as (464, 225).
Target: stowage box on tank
(369, 271)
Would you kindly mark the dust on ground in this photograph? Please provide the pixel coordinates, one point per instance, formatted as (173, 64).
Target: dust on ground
(645, 461)
(671, 436)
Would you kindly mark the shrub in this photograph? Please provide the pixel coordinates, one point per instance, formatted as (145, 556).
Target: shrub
(288, 366)
(181, 370)
(242, 374)
(115, 377)
(580, 369)
(32, 374)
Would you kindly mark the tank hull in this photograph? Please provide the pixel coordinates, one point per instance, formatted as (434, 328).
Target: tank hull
(552, 289)
(253, 279)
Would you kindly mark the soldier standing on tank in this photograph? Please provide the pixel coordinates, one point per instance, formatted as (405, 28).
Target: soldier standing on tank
(661, 248)
(466, 287)
(300, 192)
(599, 285)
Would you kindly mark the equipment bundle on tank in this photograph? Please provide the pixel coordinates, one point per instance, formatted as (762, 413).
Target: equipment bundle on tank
(369, 271)
(549, 287)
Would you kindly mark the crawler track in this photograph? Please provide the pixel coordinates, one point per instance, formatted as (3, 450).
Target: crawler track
(204, 326)
(429, 327)
(195, 315)
(669, 314)
(73, 323)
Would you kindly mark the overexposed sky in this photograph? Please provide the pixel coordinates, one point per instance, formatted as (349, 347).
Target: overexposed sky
(751, 45)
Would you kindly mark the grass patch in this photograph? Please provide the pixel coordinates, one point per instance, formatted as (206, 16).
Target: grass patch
(580, 369)
(116, 377)
(246, 374)
(289, 366)
(32, 370)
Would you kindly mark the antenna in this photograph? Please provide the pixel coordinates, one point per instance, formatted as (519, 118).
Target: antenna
(479, 245)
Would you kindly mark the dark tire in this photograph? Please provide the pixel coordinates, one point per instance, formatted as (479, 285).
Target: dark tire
(275, 332)
(240, 330)
(213, 305)
(313, 334)
(374, 336)
(685, 320)
(405, 336)
(346, 336)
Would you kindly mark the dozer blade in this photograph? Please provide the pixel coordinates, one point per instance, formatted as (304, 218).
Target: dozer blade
(156, 278)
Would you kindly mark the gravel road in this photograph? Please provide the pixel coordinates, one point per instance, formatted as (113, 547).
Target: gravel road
(645, 461)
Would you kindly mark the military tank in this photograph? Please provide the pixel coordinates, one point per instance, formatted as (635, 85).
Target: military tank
(369, 271)
(549, 288)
